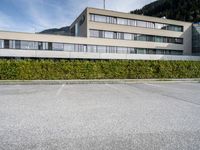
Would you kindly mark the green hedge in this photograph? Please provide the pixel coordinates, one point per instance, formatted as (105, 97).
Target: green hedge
(99, 69)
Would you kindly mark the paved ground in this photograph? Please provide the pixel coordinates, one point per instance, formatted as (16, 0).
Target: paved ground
(100, 116)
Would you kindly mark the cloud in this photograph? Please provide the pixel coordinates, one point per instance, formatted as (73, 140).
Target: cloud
(37, 15)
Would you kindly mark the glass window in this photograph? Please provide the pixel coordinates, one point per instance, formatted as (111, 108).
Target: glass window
(29, 45)
(122, 21)
(170, 40)
(94, 33)
(69, 47)
(150, 25)
(122, 50)
(45, 46)
(132, 50)
(127, 36)
(92, 48)
(1, 44)
(101, 49)
(12, 44)
(159, 25)
(179, 28)
(80, 48)
(92, 17)
(151, 51)
(150, 38)
(101, 34)
(17, 44)
(100, 18)
(111, 49)
(115, 35)
(140, 37)
(159, 39)
(112, 20)
(159, 51)
(120, 36)
(58, 46)
(176, 52)
(167, 52)
(6, 44)
(141, 51)
(179, 40)
(165, 40)
(132, 22)
(50, 46)
(108, 34)
(141, 24)
(164, 26)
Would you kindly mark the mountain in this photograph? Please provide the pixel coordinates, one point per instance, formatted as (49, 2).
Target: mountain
(184, 10)
(55, 31)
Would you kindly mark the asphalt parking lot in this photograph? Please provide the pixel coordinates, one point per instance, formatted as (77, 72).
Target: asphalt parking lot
(151, 116)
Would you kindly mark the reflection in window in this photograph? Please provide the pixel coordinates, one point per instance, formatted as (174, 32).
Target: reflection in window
(99, 18)
(159, 51)
(69, 47)
(142, 24)
(122, 21)
(88, 48)
(159, 26)
(122, 50)
(141, 51)
(151, 51)
(109, 35)
(132, 22)
(92, 48)
(6, 44)
(111, 49)
(141, 37)
(94, 33)
(58, 46)
(1, 43)
(120, 35)
(112, 20)
(132, 50)
(150, 25)
(101, 49)
(17, 44)
(150, 38)
(29, 45)
(158, 39)
(12, 44)
(127, 36)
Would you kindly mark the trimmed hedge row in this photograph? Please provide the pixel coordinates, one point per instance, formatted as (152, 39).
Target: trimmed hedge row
(99, 69)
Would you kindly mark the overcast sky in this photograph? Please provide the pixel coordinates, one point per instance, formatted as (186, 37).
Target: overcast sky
(36, 15)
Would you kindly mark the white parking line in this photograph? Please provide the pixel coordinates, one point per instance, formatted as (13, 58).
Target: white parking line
(155, 85)
(60, 89)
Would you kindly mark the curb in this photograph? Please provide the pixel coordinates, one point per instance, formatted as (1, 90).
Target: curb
(106, 81)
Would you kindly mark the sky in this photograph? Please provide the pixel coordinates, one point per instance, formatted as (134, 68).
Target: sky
(37, 15)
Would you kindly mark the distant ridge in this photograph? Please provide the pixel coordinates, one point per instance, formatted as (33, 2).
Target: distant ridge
(183, 10)
(55, 31)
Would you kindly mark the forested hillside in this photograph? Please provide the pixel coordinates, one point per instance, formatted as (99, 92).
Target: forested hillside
(184, 10)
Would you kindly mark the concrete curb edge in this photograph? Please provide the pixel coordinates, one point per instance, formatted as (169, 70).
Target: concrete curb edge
(103, 81)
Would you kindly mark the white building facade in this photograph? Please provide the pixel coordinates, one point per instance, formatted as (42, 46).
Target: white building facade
(105, 34)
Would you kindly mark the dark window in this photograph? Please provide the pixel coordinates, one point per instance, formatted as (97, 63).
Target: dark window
(40, 45)
(6, 44)
(50, 47)
(17, 44)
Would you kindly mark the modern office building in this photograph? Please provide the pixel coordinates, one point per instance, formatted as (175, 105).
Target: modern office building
(105, 34)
